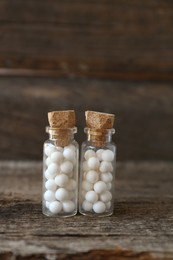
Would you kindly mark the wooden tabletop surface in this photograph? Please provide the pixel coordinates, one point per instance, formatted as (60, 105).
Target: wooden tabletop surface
(140, 228)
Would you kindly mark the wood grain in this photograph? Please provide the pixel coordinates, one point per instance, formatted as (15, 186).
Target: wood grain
(143, 111)
(141, 227)
(113, 39)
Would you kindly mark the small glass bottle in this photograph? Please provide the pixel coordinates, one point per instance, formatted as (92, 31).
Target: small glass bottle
(97, 173)
(60, 173)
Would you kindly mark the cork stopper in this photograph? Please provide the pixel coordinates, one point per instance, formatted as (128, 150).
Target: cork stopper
(98, 120)
(60, 124)
(62, 119)
(98, 123)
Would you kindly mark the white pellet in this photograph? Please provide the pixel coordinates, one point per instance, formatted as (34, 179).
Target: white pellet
(93, 163)
(50, 185)
(106, 177)
(106, 196)
(91, 196)
(99, 154)
(69, 154)
(57, 157)
(99, 207)
(71, 146)
(68, 206)
(106, 166)
(49, 196)
(61, 180)
(92, 176)
(108, 155)
(100, 187)
(48, 175)
(49, 149)
(87, 206)
(55, 207)
(62, 194)
(66, 167)
(89, 153)
(53, 169)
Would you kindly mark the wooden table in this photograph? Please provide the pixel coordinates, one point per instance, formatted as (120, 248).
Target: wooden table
(141, 227)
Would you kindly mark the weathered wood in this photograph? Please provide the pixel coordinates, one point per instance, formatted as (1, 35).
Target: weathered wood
(118, 39)
(143, 110)
(141, 227)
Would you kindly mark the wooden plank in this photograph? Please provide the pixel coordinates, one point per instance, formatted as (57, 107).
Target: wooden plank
(143, 110)
(115, 39)
(141, 227)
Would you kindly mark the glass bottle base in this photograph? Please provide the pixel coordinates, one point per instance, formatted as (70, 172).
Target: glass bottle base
(47, 213)
(93, 214)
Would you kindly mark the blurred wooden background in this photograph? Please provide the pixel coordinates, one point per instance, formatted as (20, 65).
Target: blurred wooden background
(107, 55)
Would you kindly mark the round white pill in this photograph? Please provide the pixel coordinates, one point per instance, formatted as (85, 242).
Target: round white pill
(48, 175)
(85, 166)
(105, 196)
(109, 185)
(99, 154)
(69, 154)
(108, 155)
(48, 161)
(53, 169)
(106, 166)
(92, 176)
(99, 207)
(68, 206)
(49, 149)
(61, 180)
(49, 195)
(89, 153)
(91, 196)
(61, 194)
(66, 167)
(57, 157)
(87, 185)
(87, 206)
(70, 146)
(50, 185)
(108, 205)
(71, 185)
(93, 163)
(106, 177)
(55, 207)
(100, 187)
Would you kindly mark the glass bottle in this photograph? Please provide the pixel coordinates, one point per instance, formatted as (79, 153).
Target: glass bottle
(97, 173)
(60, 173)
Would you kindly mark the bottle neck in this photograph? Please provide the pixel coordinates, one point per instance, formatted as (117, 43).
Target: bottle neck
(99, 137)
(61, 136)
